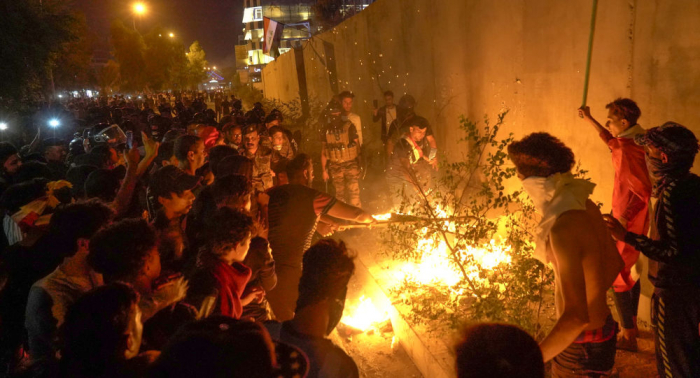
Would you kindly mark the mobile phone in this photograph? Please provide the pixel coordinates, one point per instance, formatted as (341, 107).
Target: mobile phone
(375, 103)
(129, 139)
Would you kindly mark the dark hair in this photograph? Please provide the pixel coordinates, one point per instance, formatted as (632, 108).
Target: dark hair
(541, 154)
(299, 164)
(418, 122)
(32, 170)
(21, 194)
(7, 149)
(120, 250)
(232, 186)
(185, 144)
(217, 154)
(345, 94)
(226, 228)
(274, 130)
(218, 346)
(237, 165)
(79, 220)
(327, 268)
(93, 335)
(77, 176)
(100, 156)
(165, 152)
(103, 184)
(498, 351)
(625, 108)
(388, 93)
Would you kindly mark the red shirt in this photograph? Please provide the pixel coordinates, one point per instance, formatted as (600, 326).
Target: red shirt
(631, 193)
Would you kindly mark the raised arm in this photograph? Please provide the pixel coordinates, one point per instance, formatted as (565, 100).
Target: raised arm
(585, 113)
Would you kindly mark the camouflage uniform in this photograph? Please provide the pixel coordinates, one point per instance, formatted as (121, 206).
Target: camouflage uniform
(343, 165)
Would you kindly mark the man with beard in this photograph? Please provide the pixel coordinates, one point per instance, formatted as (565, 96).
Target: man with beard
(573, 239)
(295, 210)
(261, 156)
(673, 247)
(340, 156)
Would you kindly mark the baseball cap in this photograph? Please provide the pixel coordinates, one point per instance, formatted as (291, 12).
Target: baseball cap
(171, 179)
(670, 138)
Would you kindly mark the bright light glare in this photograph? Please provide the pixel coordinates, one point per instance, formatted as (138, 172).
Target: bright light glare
(214, 67)
(3, 126)
(139, 8)
(60, 96)
(54, 123)
(171, 35)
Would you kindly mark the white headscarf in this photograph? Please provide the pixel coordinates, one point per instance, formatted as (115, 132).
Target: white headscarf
(553, 196)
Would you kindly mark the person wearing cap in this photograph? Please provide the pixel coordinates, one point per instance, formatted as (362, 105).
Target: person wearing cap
(673, 246)
(55, 155)
(170, 200)
(261, 157)
(10, 160)
(327, 269)
(408, 170)
(340, 155)
(630, 203)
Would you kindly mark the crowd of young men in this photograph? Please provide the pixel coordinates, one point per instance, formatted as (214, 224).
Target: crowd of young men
(163, 221)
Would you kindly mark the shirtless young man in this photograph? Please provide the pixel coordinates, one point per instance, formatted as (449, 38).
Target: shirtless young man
(573, 239)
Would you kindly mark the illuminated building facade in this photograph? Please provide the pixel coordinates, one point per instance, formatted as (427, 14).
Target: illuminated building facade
(298, 17)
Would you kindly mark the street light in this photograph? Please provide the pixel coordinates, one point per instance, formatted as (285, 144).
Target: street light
(214, 67)
(139, 10)
(171, 35)
(3, 126)
(54, 123)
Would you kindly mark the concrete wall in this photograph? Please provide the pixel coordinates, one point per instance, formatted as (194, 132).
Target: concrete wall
(477, 57)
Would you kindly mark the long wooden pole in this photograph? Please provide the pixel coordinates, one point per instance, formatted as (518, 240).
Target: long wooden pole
(590, 52)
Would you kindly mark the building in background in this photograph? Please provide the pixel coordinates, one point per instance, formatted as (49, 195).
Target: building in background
(300, 24)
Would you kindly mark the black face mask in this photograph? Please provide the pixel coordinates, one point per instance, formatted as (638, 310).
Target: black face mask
(335, 310)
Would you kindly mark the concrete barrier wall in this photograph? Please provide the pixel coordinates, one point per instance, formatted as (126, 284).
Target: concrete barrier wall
(477, 57)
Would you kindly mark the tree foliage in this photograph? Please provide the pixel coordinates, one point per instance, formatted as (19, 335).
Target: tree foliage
(129, 49)
(488, 221)
(33, 34)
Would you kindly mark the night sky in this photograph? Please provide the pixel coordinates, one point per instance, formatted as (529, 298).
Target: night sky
(216, 24)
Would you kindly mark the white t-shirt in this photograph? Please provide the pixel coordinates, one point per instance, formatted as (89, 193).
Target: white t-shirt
(390, 116)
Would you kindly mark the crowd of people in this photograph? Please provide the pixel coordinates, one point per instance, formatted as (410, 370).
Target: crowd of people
(168, 239)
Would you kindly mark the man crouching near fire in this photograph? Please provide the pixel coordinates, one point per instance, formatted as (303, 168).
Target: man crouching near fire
(574, 240)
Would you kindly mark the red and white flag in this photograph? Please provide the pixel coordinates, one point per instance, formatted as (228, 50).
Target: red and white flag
(273, 34)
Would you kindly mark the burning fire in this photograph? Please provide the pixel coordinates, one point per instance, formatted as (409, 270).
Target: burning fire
(435, 267)
(365, 316)
(382, 217)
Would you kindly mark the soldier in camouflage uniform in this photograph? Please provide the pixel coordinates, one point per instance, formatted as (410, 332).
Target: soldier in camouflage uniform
(262, 173)
(340, 156)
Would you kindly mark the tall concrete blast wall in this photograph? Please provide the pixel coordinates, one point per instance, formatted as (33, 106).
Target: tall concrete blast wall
(477, 57)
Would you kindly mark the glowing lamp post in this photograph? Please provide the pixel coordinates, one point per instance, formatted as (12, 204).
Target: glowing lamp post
(139, 10)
